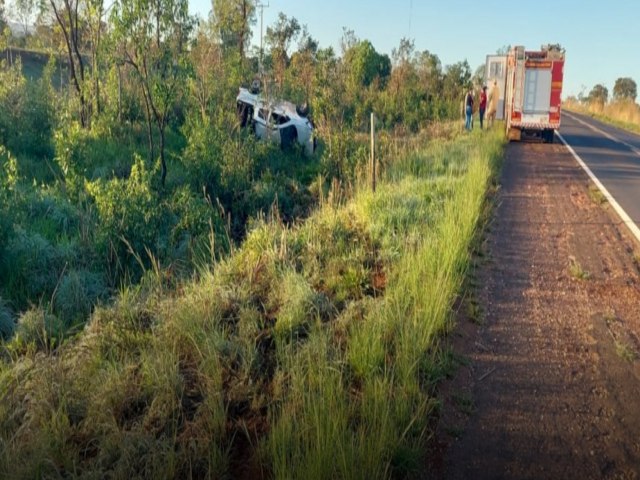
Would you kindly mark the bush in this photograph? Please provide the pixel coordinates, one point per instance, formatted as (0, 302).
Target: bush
(38, 328)
(31, 267)
(7, 325)
(202, 156)
(91, 154)
(131, 211)
(78, 292)
(26, 113)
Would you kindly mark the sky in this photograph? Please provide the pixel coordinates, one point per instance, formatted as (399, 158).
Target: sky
(601, 38)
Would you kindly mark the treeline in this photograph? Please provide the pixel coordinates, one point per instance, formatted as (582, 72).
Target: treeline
(135, 161)
(620, 107)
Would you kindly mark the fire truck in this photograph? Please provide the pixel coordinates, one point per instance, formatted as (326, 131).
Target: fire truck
(532, 92)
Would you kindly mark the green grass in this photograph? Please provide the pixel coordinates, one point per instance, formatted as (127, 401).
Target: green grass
(311, 352)
(625, 351)
(577, 271)
(464, 402)
(596, 195)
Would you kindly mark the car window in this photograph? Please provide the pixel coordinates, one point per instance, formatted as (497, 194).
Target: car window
(263, 113)
(279, 119)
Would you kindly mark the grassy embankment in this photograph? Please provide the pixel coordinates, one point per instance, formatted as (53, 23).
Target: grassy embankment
(310, 352)
(623, 114)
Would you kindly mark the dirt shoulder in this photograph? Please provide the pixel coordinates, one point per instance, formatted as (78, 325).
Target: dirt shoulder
(551, 388)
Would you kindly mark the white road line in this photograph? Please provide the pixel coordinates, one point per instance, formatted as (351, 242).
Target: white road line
(602, 132)
(616, 206)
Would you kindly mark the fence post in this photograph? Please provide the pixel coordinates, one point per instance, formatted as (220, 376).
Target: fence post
(373, 152)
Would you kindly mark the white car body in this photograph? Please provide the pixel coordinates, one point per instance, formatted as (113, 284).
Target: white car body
(280, 122)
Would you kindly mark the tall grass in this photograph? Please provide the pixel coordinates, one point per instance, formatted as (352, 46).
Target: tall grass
(364, 413)
(311, 352)
(622, 113)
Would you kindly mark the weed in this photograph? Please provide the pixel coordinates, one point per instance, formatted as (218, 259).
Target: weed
(464, 402)
(577, 271)
(625, 351)
(473, 311)
(596, 195)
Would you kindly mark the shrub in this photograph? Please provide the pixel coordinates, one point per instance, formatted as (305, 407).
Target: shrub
(202, 155)
(38, 328)
(32, 266)
(26, 113)
(7, 325)
(129, 210)
(78, 292)
(91, 154)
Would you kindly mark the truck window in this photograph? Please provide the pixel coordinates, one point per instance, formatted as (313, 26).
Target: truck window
(495, 69)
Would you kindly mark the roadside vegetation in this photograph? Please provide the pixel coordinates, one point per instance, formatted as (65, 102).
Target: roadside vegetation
(295, 356)
(179, 300)
(620, 110)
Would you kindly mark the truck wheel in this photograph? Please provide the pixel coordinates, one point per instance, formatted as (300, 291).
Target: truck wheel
(547, 136)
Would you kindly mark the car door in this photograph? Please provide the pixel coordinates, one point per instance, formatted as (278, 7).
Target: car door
(266, 126)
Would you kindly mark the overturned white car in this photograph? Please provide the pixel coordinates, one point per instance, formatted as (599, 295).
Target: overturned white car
(281, 122)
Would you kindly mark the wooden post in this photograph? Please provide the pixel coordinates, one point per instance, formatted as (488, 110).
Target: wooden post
(373, 152)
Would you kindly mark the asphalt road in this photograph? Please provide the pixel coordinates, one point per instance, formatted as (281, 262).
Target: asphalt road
(612, 154)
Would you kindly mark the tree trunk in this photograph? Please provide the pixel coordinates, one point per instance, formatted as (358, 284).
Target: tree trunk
(119, 95)
(162, 159)
(149, 127)
(71, 38)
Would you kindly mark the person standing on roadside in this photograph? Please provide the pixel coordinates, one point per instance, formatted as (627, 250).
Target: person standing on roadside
(494, 97)
(468, 109)
(483, 105)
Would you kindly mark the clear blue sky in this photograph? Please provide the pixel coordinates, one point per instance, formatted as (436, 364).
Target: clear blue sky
(602, 38)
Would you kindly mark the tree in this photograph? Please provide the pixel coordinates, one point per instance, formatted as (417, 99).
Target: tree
(151, 37)
(234, 19)
(598, 94)
(207, 70)
(303, 64)
(279, 38)
(479, 76)
(94, 14)
(457, 77)
(364, 64)
(67, 16)
(625, 88)
(24, 11)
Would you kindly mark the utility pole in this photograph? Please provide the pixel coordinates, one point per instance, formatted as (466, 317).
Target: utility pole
(261, 6)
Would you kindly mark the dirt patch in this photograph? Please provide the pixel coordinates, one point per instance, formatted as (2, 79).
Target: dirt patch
(552, 385)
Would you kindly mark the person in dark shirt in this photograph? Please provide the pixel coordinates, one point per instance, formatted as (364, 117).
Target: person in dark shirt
(483, 105)
(468, 108)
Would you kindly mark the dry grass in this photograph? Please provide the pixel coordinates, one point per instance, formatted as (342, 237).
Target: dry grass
(624, 113)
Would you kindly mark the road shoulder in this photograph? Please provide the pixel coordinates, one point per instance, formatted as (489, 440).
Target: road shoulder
(551, 384)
